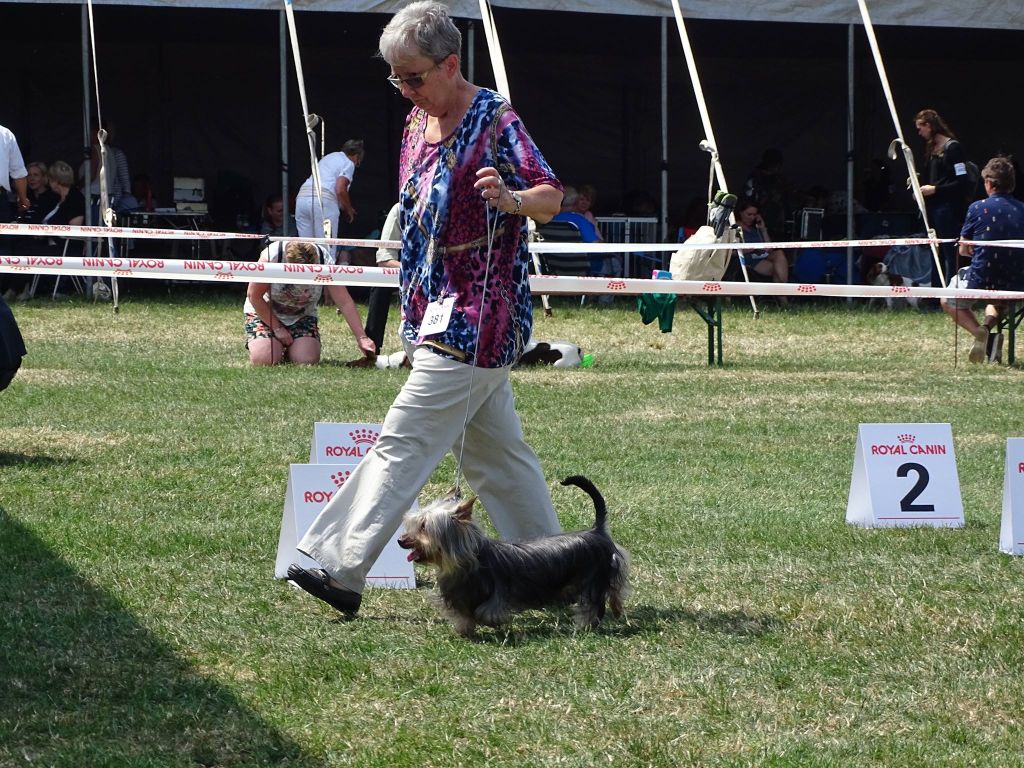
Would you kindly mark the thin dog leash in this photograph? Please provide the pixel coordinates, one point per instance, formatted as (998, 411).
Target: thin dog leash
(492, 228)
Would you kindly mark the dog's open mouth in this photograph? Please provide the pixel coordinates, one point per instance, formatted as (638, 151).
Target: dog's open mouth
(415, 555)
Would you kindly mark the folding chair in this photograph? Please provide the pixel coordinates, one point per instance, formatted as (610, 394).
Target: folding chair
(575, 264)
(77, 282)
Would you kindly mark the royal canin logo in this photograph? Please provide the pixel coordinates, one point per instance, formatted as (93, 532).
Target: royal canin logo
(906, 438)
(122, 273)
(323, 279)
(364, 436)
(804, 288)
(224, 276)
(339, 478)
(616, 285)
(18, 268)
(712, 287)
(899, 289)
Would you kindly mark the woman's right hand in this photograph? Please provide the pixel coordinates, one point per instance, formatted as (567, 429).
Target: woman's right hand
(283, 335)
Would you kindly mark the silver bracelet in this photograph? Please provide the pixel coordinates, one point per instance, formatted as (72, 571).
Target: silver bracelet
(518, 199)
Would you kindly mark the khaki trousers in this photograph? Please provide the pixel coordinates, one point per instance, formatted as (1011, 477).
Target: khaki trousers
(423, 424)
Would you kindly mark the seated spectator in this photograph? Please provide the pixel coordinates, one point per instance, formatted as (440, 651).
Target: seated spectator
(281, 319)
(589, 233)
(41, 198)
(767, 262)
(1000, 216)
(272, 223)
(587, 227)
(586, 196)
(70, 208)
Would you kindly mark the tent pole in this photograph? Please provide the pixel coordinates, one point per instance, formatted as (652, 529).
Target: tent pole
(850, 104)
(283, 49)
(664, 129)
(86, 119)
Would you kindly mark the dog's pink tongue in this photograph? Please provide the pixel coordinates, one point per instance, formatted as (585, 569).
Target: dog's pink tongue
(412, 556)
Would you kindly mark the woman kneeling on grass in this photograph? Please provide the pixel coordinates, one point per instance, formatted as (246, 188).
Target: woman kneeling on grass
(281, 319)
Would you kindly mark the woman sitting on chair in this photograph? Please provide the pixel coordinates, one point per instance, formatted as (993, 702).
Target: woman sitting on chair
(770, 263)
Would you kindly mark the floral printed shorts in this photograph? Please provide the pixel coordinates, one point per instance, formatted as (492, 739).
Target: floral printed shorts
(257, 329)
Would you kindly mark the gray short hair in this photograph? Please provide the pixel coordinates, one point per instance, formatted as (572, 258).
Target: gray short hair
(569, 196)
(353, 147)
(421, 28)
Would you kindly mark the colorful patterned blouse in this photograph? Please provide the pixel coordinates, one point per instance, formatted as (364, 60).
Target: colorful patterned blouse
(444, 231)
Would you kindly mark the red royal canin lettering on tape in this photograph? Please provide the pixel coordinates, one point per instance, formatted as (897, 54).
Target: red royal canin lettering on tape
(712, 287)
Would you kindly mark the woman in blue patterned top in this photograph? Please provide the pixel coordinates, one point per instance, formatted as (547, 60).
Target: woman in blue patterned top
(469, 175)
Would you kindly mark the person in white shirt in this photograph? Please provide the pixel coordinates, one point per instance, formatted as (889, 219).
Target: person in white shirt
(337, 170)
(13, 175)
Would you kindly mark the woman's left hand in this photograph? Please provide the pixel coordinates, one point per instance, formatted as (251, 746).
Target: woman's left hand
(493, 190)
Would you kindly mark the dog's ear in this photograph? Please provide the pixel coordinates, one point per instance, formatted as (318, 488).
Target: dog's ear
(465, 510)
(452, 493)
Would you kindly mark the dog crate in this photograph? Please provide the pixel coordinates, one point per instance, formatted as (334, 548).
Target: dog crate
(627, 229)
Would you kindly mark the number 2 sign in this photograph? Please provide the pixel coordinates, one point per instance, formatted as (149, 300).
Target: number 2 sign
(905, 474)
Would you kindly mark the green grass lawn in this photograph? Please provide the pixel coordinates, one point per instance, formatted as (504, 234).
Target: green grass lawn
(143, 468)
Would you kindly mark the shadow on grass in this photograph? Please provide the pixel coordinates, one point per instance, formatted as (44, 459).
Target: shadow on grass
(83, 683)
(12, 459)
(542, 625)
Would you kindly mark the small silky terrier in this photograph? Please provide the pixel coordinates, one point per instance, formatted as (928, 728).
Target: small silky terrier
(482, 581)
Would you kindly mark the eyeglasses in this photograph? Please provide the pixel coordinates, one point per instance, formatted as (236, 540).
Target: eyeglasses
(415, 82)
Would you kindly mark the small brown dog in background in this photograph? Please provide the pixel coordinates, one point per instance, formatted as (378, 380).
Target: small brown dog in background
(879, 274)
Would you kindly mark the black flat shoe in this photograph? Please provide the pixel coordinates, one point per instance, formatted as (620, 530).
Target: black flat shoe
(317, 583)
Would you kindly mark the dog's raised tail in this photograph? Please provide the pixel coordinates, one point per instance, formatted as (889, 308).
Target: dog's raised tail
(600, 523)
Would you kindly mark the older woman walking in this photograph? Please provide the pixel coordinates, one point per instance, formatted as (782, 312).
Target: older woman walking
(467, 166)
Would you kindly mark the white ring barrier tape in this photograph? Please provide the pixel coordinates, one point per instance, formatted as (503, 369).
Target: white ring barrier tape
(387, 277)
(151, 233)
(541, 247)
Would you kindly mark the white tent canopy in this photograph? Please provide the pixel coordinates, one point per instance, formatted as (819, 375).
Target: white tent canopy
(992, 14)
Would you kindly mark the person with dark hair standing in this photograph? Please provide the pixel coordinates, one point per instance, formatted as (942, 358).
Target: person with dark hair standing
(944, 184)
(467, 165)
(1000, 216)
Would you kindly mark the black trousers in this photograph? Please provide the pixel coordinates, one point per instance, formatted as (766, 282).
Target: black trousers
(377, 314)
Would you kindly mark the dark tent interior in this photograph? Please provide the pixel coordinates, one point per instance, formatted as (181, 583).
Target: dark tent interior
(196, 92)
